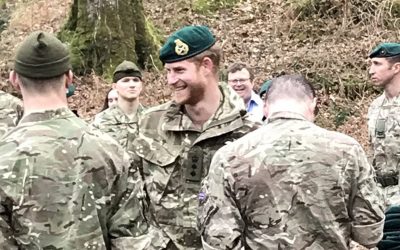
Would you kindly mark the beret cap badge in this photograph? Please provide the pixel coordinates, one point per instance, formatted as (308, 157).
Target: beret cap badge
(181, 48)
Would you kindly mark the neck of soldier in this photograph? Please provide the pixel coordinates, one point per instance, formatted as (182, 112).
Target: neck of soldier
(200, 112)
(392, 89)
(38, 102)
(129, 107)
(291, 106)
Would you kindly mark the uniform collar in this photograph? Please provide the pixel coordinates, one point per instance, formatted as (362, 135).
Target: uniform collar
(44, 115)
(285, 115)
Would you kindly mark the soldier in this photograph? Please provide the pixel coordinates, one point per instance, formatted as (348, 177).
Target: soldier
(241, 79)
(10, 111)
(121, 121)
(61, 185)
(384, 118)
(178, 139)
(290, 184)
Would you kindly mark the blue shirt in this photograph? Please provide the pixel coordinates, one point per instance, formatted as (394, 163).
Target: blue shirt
(255, 106)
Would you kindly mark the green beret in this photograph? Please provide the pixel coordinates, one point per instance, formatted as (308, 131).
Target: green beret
(126, 69)
(42, 55)
(186, 43)
(386, 50)
(264, 88)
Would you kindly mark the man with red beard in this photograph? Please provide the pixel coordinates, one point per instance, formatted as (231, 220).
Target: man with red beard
(178, 139)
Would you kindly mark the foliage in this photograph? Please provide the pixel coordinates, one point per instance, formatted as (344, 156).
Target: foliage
(210, 6)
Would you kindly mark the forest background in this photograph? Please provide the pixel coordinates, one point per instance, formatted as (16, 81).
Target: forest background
(326, 40)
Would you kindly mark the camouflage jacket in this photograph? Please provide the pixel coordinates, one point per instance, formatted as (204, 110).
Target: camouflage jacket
(385, 143)
(175, 156)
(10, 111)
(63, 186)
(118, 125)
(290, 185)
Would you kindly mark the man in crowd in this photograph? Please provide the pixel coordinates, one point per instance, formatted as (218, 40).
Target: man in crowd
(62, 185)
(178, 139)
(290, 184)
(121, 121)
(384, 119)
(241, 79)
(10, 111)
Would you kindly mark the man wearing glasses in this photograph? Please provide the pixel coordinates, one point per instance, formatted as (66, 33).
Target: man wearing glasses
(240, 78)
(121, 120)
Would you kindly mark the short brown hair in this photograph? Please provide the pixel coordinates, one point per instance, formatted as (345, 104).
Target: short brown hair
(290, 86)
(238, 66)
(214, 53)
(41, 85)
(393, 59)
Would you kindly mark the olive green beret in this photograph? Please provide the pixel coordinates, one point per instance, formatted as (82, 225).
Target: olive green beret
(264, 88)
(386, 50)
(186, 43)
(126, 69)
(42, 55)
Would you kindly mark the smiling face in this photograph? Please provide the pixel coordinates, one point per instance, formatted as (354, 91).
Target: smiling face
(240, 81)
(128, 88)
(187, 81)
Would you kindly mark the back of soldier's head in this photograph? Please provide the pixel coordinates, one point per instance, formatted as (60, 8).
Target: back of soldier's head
(40, 60)
(293, 87)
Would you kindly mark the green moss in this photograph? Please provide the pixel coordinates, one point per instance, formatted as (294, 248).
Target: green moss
(101, 40)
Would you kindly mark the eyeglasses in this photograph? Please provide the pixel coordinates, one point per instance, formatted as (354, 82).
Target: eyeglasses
(241, 81)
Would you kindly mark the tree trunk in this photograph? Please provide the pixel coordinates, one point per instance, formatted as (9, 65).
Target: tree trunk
(103, 33)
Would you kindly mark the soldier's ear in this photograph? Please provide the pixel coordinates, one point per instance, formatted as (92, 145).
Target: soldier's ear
(14, 80)
(397, 67)
(69, 76)
(207, 63)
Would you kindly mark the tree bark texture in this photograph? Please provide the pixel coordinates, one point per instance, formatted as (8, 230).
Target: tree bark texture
(103, 33)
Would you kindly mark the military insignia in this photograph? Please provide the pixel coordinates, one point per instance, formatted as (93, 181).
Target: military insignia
(181, 48)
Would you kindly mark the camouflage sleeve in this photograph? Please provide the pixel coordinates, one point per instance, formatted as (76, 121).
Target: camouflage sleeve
(95, 123)
(367, 208)
(129, 225)
(219, 219)
(6, 239)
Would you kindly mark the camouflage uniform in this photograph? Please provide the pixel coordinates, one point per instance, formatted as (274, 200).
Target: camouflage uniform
(10, 111)
(175, 157)
(61, 186)
(290, 185)
(384, 132)
(118, 125)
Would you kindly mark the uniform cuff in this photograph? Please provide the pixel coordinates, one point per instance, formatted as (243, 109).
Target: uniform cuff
(368, 235)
